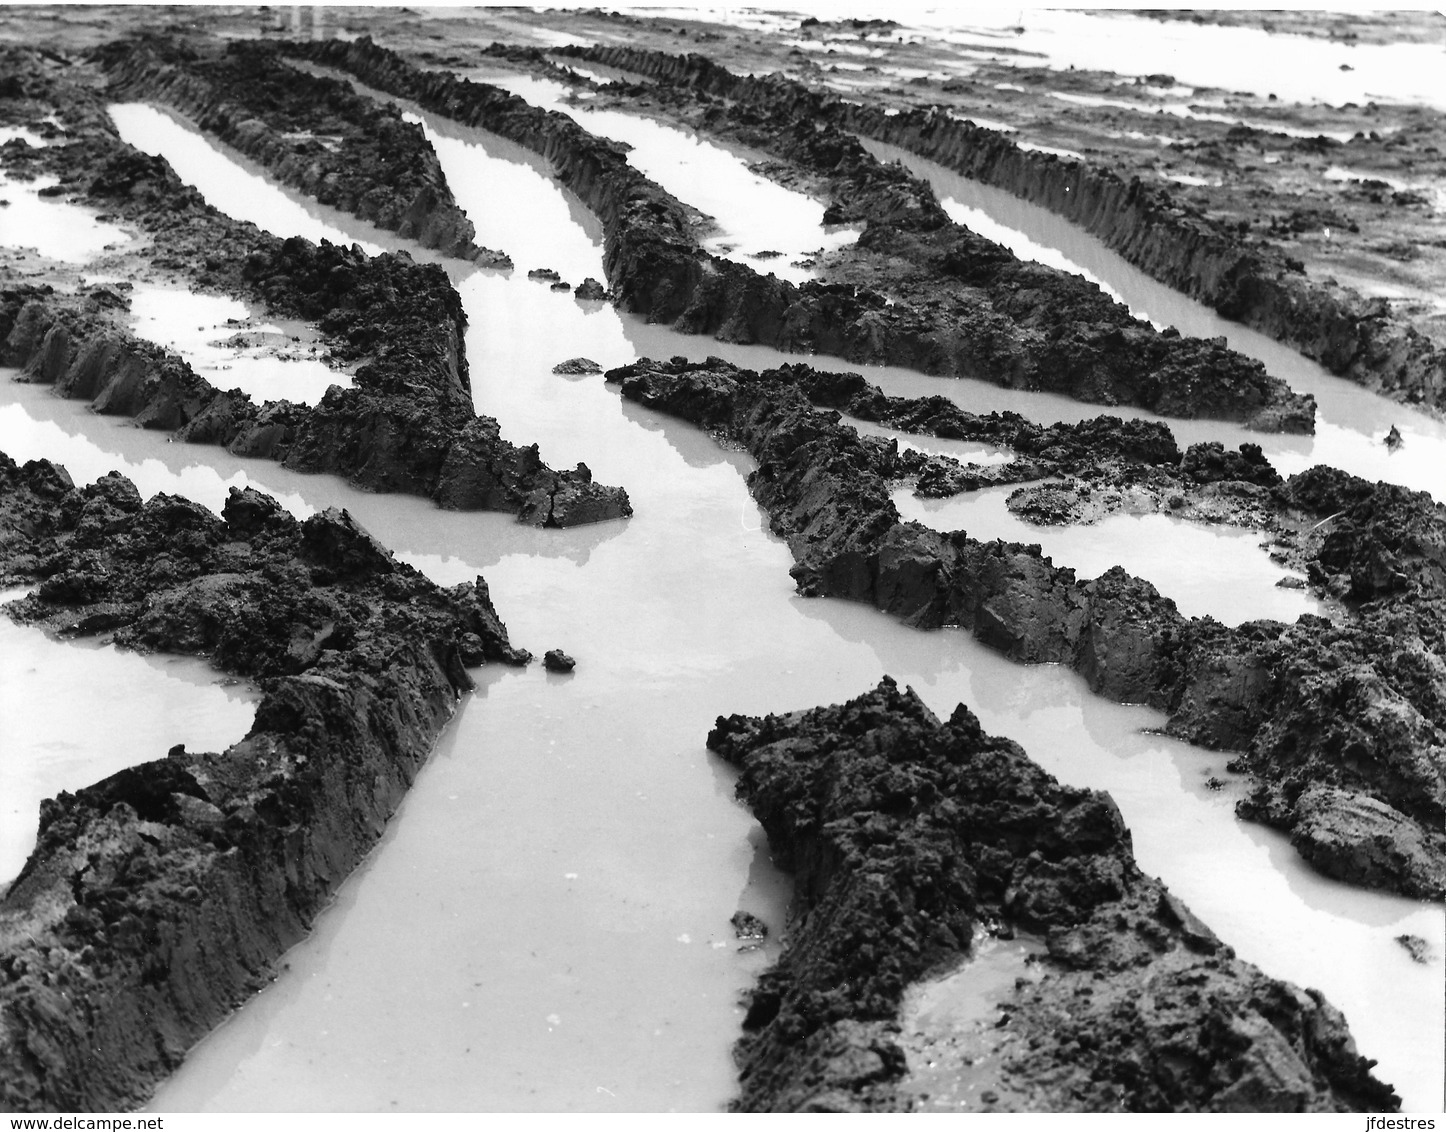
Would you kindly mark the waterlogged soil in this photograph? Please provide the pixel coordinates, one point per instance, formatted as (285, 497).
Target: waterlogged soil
(562, 1029)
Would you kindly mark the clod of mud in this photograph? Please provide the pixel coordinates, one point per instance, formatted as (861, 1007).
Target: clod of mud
(1341, 725)
(157, 900)
(905, 834)
(555, 660)
(577, 366)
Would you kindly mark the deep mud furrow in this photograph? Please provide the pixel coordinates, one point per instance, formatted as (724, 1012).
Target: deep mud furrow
(1342, 725)
(907, 836)
(1254, 284)
(407, 423)
(157, 900)
(974, 310)
(308, 131)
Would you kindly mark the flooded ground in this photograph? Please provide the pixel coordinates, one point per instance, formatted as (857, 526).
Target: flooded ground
(545, 926)
(1208, 571)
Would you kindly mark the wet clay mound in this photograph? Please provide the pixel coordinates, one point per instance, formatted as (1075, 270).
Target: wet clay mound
(961, 306)
(406, 425)
(157, 900)
(906, 837)
(1277, 693)
(1254, 283)
(1013, 323)
(310, 132)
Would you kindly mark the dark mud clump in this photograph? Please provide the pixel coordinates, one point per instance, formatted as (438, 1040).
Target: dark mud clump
(314, 133)
(1341, 723)
(906, 837)
(157, 900)
(961, 314)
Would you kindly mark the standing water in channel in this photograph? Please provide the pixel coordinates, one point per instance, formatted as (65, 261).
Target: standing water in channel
(545, 925)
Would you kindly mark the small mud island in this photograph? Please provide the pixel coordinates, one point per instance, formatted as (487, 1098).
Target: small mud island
(801, 291)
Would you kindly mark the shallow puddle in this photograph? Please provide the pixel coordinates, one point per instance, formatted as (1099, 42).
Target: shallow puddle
(545, 926)
(939, 1018)
(1215, 571)
(227, 344)
(965, 451)
(136, 709)
(51, 226)
(28, 136)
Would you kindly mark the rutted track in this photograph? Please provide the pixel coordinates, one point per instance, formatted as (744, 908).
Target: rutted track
(966, 318)
(309, 132)
(337, 555)
(407, 423)
(1255, 284)
(1341, 725)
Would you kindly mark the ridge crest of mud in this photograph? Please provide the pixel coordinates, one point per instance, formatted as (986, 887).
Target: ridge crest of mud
(908, 838)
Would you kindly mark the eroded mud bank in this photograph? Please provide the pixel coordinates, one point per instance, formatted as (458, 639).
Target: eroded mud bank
(1253, 283)
(1340, 724)
(991, 325)
(157, 899)
(406, 424)
(905, 836)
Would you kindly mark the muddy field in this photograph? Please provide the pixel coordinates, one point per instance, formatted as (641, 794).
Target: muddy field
(695, 560)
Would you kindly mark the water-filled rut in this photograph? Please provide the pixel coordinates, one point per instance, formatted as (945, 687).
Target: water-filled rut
(557, 887)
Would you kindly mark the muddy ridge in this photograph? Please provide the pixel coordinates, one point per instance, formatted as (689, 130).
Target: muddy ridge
(308, 131)
(970, 309)
(1341, 724)
(157, 900)
(906, 837)
(1255, 283)
(406, 424)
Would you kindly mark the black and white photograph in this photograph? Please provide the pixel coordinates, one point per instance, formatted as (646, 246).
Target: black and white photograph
(699, 560)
